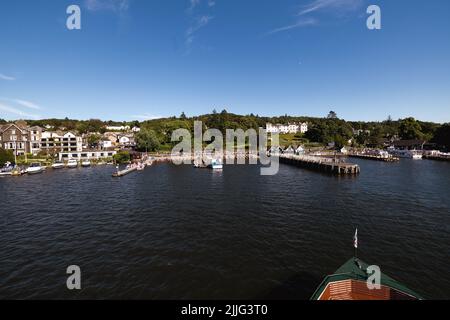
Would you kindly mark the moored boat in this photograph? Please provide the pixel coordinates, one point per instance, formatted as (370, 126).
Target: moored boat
(350, 282)
(58, 165)
(86, 163)
(216, 164)
(72, 163)
(408, 154)
(35, 168)
(7, 169)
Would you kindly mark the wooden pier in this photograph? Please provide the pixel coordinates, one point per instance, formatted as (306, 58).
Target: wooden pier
(124, 172)
(437, 158)
(325, 165)
(374, 157)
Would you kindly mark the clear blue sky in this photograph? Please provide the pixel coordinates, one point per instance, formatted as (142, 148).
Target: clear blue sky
(137, 59)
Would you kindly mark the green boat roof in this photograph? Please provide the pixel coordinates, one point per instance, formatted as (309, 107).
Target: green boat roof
(351, 271)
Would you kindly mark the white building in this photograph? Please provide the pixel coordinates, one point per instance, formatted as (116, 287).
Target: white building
(300, 150)
(58, 142)
(287, 128)
(106, 144)
(136, 129)
(126, 140)
(86, 154)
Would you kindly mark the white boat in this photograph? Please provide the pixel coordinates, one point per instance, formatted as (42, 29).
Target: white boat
(35, 168)
(72, 163)
(7, 169)
(85, 163)
(408, 154)
(58, 165)
(216, 164)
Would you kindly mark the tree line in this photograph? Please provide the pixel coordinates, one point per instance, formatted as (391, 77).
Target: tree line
(156, 134)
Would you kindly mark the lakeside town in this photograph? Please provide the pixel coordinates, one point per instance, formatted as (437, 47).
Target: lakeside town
(32, 147)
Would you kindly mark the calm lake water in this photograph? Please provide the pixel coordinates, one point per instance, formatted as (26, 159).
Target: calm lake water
(183, 233)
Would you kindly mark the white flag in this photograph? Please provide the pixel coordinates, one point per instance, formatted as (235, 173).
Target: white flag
(355, 239)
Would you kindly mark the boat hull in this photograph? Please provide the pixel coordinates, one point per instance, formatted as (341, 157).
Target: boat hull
(35, 170)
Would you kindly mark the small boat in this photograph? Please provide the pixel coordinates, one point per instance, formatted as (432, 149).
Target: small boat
(58, 165)
(35, 168)
(199, 165)
(7, 169)
(86, 163)
(216, 164)
(349, 282)
(72, 163)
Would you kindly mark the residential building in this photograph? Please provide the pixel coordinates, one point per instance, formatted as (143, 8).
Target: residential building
(110, 136)
(409, 144)
(300, 150)
(16, 138)
(35, 134)
(126, 140)
(87, 155)
(56, 142)
(106, 144)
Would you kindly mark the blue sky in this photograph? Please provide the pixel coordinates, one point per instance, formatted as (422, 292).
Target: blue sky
(140, 59)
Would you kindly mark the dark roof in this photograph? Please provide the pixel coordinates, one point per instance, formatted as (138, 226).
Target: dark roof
(351, 271)
(409, 143)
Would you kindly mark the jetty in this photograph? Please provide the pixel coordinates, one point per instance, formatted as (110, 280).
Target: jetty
(374, 157)
(326, 165)
(437, 157)
(124, 172)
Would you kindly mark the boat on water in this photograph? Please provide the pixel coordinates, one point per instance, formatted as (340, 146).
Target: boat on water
(349, 282)
(86, 163)
(216, 164)
(7, 169)
(35, 168)
(72, 163)
(58, 165)
(199, 165)
(408, 154)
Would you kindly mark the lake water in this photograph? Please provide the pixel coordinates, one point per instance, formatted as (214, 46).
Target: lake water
(183, 233)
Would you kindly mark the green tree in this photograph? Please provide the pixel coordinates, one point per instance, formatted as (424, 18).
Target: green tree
(442, 136)
(94, 139)
(332, 115)
(6, 156)
(147, 140)
(410, 129)
(122, 157)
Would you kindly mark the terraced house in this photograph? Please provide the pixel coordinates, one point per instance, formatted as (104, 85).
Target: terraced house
(15, 137)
